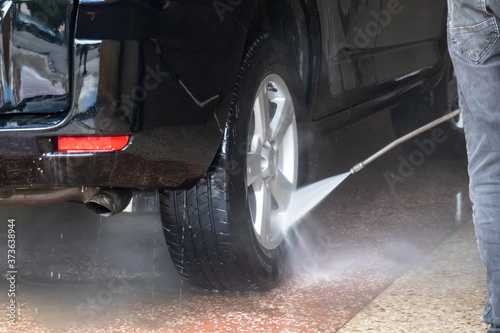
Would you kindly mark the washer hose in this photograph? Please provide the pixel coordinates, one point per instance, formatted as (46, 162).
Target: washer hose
(360, 166)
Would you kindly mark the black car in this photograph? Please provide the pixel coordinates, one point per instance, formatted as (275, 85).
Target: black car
(213, 103)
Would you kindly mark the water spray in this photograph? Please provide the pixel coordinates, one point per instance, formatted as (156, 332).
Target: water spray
(308, 197)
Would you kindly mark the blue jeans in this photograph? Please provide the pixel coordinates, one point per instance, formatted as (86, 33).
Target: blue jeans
(473, 41)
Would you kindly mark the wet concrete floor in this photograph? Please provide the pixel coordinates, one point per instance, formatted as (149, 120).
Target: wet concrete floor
(78, 272)
(445, 292)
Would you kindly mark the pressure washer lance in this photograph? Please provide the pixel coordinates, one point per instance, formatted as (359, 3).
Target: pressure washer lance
(360, 166)
(306, 198)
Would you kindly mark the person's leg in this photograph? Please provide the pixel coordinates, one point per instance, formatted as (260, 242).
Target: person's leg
(473, 40)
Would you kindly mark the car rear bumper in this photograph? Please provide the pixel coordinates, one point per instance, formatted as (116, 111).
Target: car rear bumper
(163, 157)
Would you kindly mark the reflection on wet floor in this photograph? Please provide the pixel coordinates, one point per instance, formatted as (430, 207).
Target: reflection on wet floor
(78, 272)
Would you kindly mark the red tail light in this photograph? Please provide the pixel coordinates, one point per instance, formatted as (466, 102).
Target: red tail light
(91, 143)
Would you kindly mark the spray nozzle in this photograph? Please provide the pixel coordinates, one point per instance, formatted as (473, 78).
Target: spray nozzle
(358, 167)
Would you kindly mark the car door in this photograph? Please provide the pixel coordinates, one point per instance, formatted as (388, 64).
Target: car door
(349, 32)
(411, 41)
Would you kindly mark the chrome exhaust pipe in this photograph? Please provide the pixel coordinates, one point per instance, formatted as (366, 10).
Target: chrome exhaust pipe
(106, 201)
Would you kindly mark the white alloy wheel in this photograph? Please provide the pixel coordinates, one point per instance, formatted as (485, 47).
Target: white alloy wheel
(272, 160)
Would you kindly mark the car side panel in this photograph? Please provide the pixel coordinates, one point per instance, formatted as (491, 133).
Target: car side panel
(348, 33)
(411, 41)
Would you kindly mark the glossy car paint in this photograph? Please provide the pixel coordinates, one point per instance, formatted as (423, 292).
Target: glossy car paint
(35, 73)
(164, 73)
(371, 48)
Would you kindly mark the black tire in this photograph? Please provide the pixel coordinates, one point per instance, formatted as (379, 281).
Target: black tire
(209, 229)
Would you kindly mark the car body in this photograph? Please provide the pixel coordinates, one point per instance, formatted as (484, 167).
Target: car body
(127, 91)
(162, 74)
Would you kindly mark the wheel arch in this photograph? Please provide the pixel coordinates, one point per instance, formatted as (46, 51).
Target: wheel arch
(296, 23)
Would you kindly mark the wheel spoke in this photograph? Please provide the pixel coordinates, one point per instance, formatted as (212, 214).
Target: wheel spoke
(263, 210)
(261, 112)
(282, 120)
(266, 231)
(253, 167)
(281, 190)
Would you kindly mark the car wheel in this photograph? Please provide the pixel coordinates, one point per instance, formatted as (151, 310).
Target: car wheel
(226, 233)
